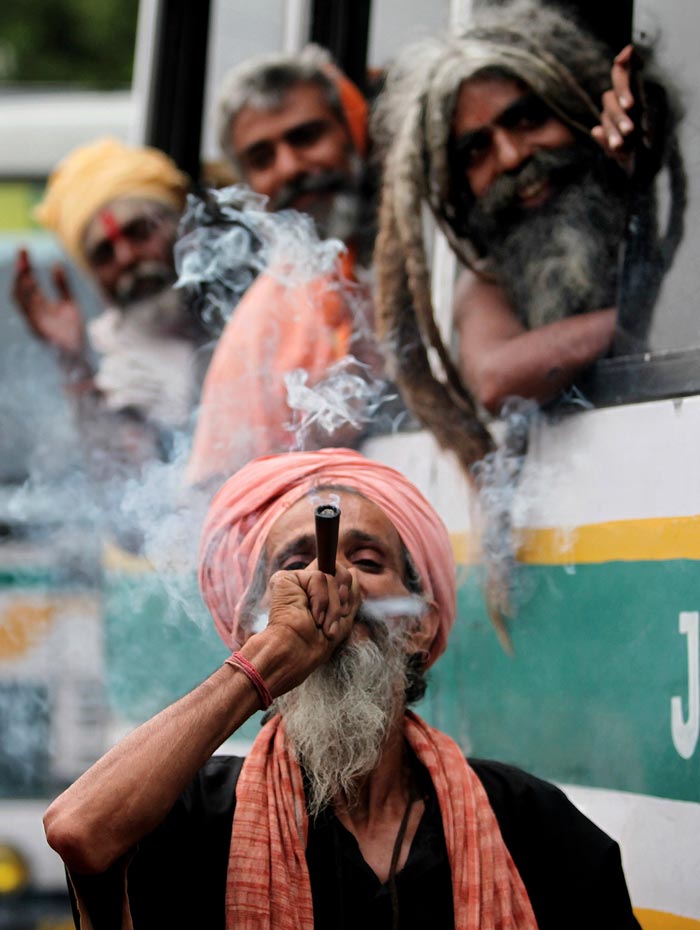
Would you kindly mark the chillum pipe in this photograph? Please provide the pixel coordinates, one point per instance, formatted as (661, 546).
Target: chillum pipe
(327, 522)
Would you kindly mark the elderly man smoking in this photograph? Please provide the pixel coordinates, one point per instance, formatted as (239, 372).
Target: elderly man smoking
(499, 130)
(349, 809)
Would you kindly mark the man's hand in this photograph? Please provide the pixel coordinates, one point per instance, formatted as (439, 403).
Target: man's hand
(310, 615)
(56, 322)
(616, 128)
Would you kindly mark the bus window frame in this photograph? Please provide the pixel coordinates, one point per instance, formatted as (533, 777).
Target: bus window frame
(636, 379)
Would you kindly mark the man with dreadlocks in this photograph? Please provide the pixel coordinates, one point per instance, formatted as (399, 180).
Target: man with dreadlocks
(499, 131)
(349, 810)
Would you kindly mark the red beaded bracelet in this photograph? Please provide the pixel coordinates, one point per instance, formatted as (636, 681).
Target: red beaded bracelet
(253, 675)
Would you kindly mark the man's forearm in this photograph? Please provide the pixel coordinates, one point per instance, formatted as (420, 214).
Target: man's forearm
(539, 363)
(78, 371)
(129, 791)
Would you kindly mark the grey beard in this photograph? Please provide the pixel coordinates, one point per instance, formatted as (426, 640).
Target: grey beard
(163, 314)
(338, 721)
(341, 220)
(144, 281)
(562, 258)
(340, 216)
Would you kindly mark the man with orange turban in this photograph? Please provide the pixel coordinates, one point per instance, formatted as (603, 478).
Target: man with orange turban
(294, 128)
(349, 811)
(115, 208)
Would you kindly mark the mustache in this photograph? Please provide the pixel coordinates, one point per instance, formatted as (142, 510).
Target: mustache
(326, 182)
(559, 167)
(144, 280)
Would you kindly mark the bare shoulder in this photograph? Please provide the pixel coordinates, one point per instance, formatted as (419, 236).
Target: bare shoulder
(481, 307)
(468, 286)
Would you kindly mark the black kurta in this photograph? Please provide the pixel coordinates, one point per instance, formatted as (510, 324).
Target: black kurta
(571, 869)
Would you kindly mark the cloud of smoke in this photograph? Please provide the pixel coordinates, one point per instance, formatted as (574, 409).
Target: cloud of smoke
(227, 238)
(153, 604)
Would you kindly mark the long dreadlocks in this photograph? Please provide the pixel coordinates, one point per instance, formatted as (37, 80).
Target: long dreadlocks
(544, 50)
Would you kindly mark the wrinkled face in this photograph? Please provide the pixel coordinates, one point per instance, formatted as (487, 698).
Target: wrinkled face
(301, 139)
(497, 127)
(339, 719)
(128, 245)
(367, 542)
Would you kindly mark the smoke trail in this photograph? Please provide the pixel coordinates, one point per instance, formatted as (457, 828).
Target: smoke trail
(151, 598)
(168, 514)
(349, 398)
(497, 478)
(226, 238)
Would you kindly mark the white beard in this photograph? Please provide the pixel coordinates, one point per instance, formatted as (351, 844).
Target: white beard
(148, 361)
(338, 720)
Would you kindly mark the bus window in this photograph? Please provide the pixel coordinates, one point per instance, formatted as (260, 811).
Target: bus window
(65, 79)
(658, 342)
(239, 30)
(391, 29)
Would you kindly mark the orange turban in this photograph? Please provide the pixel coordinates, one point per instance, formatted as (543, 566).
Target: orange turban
(246, 507)
(354, 106)
(93, 175)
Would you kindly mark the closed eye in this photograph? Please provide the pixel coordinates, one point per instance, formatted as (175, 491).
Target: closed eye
(258, 157)
(140, 229)
(368, 561)
(296, 564)
(102, 253)
(472, 147)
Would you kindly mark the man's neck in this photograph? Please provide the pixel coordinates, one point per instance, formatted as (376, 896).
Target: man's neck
(387, 786)
(386, 797)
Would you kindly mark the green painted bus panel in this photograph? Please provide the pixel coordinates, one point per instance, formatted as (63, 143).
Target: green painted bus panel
(49, 579)
(586, 699)
(156, 650)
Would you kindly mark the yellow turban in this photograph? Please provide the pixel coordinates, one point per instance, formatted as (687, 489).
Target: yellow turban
(94, 175)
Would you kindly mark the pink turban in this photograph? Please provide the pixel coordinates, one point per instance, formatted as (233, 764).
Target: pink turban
(246, 507)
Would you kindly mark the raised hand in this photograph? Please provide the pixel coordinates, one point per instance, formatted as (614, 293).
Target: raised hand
(56, 322)
(617, 127)
(310, 615)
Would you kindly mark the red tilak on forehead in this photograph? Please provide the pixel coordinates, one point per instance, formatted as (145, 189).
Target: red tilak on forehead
(112, 229)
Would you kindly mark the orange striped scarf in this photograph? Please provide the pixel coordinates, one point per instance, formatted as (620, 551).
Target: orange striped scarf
(268, 887)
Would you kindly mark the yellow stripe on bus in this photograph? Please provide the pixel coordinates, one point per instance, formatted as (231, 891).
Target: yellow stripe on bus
(660, 920)
(652, 540)
(655, 539)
